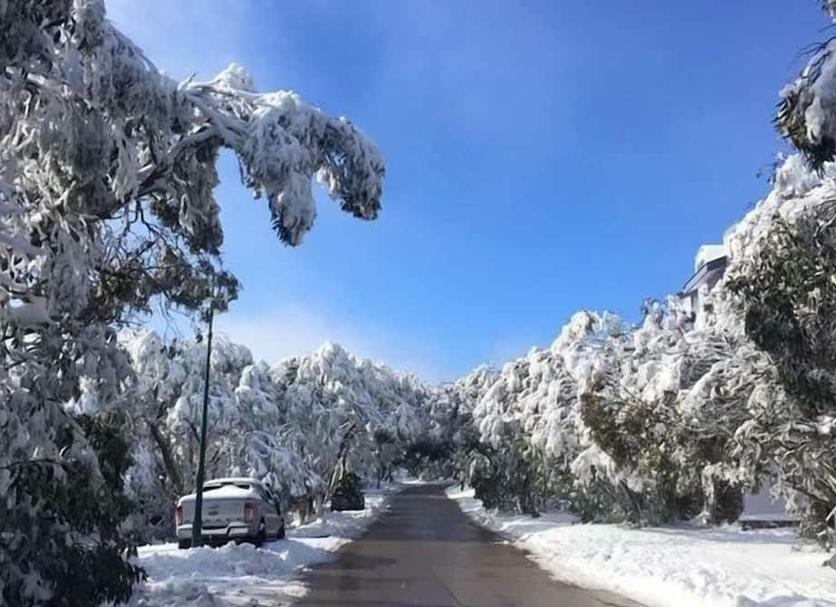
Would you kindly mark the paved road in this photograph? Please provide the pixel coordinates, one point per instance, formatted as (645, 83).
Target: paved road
(425, 552)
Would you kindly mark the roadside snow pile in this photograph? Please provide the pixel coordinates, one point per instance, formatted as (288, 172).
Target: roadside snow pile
(242, 574)
(669, 567)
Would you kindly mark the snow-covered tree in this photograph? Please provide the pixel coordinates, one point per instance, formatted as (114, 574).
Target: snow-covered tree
(339, 408)
(661, 410)
(784, 263)
(107, 170)
(448, 440)
(165, 401)
(807, 111)
(625, 423)
(224, 416)
(298, 426)
(504, 475)
(257, 445)
(528, 423)
(727, 378)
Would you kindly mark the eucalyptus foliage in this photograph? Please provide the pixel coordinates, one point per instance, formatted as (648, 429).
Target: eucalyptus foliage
(107, 171)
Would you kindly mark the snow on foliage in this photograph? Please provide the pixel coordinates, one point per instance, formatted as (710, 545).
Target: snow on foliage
(676, 417)
(107, 172)
(298, 426)
(782, 275)
(807, 111)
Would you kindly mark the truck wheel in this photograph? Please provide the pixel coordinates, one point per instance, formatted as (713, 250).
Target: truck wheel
(184, 544)
(281, 534)
(261, 535)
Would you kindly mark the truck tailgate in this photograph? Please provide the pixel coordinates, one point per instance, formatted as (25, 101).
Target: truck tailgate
(217, 512)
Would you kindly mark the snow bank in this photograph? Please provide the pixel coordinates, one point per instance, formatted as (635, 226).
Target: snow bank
(669, 567)
(242, 574)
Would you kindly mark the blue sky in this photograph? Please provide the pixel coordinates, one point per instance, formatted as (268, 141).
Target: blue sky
(542, 157)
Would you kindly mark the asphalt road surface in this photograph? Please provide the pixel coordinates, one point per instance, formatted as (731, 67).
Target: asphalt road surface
(425, 552)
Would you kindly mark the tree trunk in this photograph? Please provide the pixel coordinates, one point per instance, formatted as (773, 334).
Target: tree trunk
(339, 469)
(172, 474)
(634, 502)
(526, 499)
(709, 500)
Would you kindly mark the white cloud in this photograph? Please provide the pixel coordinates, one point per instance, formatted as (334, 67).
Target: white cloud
(295, 329)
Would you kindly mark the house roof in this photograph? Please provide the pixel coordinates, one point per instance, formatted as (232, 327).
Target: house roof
(708, 272)
(707, 253)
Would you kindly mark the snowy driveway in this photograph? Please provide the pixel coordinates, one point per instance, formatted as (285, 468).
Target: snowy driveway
(425, 552)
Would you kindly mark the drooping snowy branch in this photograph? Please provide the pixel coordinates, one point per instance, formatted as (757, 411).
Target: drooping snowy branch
(296, 425)
(107, 208)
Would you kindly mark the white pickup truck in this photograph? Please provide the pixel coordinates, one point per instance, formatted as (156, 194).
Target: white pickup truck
(239, 509)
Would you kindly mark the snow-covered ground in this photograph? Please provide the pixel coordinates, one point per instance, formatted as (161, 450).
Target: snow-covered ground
(670, 567)
(245, 575)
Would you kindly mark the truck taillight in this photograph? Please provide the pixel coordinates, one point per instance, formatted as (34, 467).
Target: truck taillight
(178, 515)
(249, 512)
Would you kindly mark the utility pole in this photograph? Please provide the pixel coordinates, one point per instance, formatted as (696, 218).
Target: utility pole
(197, 522)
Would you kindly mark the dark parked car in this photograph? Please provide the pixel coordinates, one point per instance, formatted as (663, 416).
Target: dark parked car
(348, 495)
